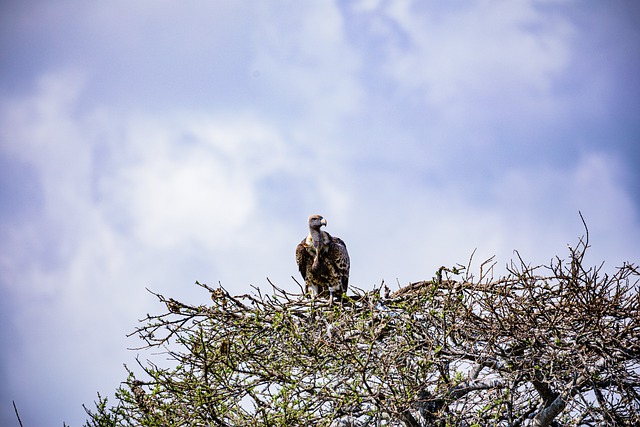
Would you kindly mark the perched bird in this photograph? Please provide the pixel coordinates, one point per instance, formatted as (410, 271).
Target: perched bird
(323, 261)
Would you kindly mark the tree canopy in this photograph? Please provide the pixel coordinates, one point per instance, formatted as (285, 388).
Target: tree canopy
(554, 345)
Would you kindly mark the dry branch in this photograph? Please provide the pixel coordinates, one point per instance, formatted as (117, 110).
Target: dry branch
(542, 346)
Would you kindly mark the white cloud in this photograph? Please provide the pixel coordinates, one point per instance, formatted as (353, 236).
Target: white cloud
(399, 228)
(365, 5)
(459, 59)
(538, 209)
(191, 179)
(303, 57)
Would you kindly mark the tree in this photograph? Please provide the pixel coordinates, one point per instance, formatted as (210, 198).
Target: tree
(543, 346)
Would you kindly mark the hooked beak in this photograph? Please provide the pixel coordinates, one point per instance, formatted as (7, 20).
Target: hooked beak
(323, 222)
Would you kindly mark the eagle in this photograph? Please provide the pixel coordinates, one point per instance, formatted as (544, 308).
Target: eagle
(323, 261)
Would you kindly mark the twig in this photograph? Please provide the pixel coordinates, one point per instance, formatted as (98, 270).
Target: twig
(17, 414)
(299, 285)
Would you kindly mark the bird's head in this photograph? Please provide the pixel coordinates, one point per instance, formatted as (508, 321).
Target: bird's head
(316, 221)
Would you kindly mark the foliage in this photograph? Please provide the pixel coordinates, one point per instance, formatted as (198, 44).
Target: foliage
(556, 345)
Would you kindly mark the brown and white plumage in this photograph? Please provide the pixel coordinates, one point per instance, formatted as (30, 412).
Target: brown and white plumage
(323, 260)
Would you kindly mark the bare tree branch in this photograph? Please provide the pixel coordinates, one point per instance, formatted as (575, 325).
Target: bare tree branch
(542, 346)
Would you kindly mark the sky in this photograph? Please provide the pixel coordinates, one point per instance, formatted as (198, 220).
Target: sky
(150, 144)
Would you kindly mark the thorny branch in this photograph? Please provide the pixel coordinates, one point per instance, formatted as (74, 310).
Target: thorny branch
(556, 345)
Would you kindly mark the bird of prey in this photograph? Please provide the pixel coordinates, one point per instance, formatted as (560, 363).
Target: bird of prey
(323, 261)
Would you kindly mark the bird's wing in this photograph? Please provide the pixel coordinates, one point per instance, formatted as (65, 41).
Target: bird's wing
(340, 258)
(302, 259)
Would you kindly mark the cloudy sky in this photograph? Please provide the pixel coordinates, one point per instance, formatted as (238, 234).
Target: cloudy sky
(155, 143)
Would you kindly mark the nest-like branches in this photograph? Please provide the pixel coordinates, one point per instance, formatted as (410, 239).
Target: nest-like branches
(557, 344)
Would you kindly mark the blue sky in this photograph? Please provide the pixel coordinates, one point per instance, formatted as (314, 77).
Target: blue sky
(152, 144)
